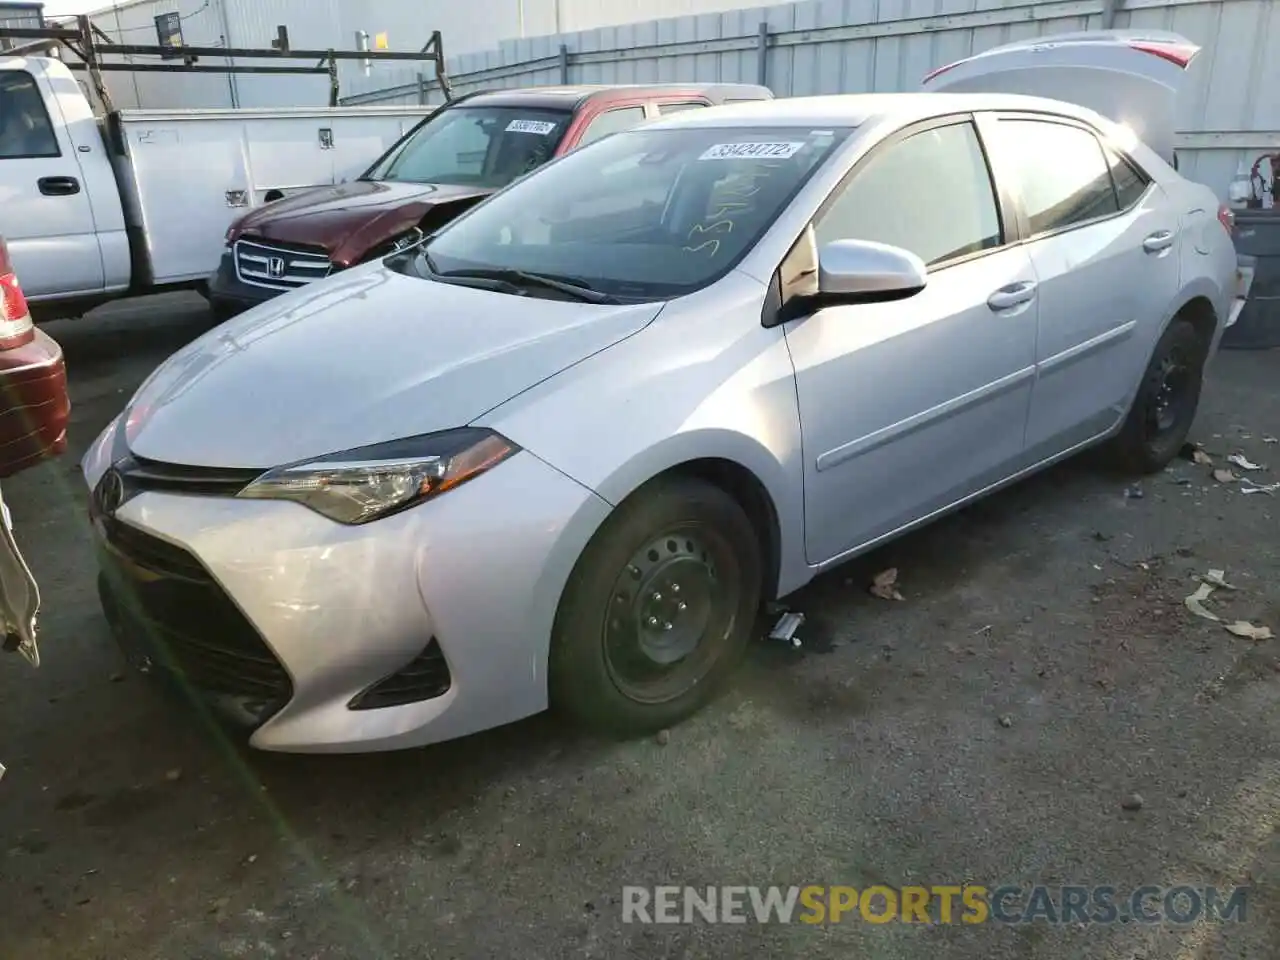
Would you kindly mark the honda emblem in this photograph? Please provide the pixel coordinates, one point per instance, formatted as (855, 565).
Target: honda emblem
(275, 267)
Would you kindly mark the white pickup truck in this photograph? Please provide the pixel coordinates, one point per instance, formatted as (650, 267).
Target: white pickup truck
(138, 201)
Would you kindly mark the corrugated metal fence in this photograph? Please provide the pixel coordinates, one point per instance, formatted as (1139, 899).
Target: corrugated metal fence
(19, 15)
(1229, 114)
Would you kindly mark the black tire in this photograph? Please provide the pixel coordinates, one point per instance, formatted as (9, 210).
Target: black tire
(625, 674)
(222, 311)
(1166, 402)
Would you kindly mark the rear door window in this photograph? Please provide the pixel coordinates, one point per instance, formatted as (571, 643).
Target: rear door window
(898, 197)
(25, 130)
(1059, 171)
(611, 121)
(666, 108)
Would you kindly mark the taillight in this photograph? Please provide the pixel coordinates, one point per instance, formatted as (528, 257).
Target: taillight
(1177, 53)
(943, 69)
(16, 327)
(1227, 218)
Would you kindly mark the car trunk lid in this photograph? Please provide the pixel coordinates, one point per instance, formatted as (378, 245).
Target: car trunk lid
(1132, 77)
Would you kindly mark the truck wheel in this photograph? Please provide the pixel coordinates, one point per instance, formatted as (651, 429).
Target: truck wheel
(1166, 403)
(658, 611)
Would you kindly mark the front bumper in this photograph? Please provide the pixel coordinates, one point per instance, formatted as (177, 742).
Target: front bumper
(480, 571)
(226, 291)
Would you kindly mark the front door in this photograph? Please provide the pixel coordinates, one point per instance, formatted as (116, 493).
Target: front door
(48, 222)
(908, 406)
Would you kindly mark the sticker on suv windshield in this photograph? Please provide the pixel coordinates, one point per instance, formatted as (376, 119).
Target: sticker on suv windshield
(751, 151)
(540, 127)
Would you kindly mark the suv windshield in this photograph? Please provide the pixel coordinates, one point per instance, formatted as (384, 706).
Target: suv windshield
(475, 146)
(648, 213)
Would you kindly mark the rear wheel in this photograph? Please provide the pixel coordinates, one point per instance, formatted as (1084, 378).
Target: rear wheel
(1166, 403)
(659, 609)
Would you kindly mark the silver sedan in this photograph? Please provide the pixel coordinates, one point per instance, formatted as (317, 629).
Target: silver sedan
(561, 451)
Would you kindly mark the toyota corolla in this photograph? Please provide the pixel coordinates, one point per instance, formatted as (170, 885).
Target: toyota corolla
(559, 452)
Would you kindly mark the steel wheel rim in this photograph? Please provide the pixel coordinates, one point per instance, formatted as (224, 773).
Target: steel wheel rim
(1167, 406)
(669, 611)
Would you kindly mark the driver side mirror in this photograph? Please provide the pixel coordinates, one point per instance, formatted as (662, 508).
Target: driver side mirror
(863, 271)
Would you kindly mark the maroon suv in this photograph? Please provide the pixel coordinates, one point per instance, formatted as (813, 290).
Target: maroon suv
(452, 160)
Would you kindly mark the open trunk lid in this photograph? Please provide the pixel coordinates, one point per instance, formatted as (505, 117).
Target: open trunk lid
(1132, 77)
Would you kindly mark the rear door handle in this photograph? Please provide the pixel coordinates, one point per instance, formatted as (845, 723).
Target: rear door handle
(1012, 295)
(1160, 240)
(58, 186)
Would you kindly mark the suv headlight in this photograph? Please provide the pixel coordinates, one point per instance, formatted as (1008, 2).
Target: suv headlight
(356, 486)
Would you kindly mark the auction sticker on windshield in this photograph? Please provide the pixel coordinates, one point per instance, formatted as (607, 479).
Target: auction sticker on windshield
(540, 127)
(752, 151)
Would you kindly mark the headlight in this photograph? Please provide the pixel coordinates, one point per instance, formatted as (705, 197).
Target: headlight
(356, 486)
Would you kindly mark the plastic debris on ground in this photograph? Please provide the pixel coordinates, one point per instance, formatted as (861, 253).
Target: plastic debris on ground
(1243, 628)
(1195, 453)
(786, 627)
(884, 585)
(1258, 487)
(1243, 462)
(1215, 580)
(1195, 603)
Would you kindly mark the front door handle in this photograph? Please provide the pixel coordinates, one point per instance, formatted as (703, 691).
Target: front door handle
(58, 186)
(1012, 295)
(1160, 240)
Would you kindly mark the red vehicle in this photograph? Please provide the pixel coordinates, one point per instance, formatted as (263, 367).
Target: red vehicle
(452, 160)
(33, 379)
(33, 426)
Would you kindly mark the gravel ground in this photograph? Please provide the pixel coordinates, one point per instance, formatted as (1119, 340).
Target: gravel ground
(1040, 670)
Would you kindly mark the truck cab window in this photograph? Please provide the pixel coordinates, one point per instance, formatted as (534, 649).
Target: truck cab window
(25, 130)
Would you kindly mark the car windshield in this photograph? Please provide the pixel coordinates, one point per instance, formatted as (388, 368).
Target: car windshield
(475, 146)
(647, 213)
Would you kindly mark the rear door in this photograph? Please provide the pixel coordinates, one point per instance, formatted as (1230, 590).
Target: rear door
(1103, 239)
(48, 220)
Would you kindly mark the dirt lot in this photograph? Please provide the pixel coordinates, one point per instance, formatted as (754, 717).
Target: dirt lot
(1040, 670)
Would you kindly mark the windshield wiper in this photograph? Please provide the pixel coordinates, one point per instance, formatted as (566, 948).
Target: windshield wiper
(574, 288)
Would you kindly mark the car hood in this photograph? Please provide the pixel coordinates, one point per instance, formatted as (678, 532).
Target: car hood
(363, 357)
(349, 219)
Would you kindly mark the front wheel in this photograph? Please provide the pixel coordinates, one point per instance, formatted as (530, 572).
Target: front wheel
(1166, 403)
(658, 611)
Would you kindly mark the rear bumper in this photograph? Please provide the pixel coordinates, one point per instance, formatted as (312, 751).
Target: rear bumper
(228, 292)
(33, 419)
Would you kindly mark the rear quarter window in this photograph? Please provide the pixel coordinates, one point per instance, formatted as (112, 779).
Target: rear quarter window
(1130, 183)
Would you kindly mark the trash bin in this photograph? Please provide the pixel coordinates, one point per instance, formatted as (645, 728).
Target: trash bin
(1257, 235)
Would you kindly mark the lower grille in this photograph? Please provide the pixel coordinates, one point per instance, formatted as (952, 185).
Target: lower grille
(279, 266)
(166, 604)
(423, 678)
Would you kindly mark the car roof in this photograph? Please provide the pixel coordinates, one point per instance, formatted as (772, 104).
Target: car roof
(572, 97)
(852, 110)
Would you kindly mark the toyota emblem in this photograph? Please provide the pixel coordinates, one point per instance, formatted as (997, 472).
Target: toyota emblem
(110, 492)
(275, 266)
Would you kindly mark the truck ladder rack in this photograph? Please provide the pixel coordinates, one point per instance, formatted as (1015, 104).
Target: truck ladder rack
(90, 44)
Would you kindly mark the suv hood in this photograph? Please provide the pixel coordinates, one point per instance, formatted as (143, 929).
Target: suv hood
(363, 357)
(1132, 77)
(350, 219)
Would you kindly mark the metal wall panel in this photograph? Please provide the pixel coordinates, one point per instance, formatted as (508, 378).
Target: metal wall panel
(816, 46)
(19, 15)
